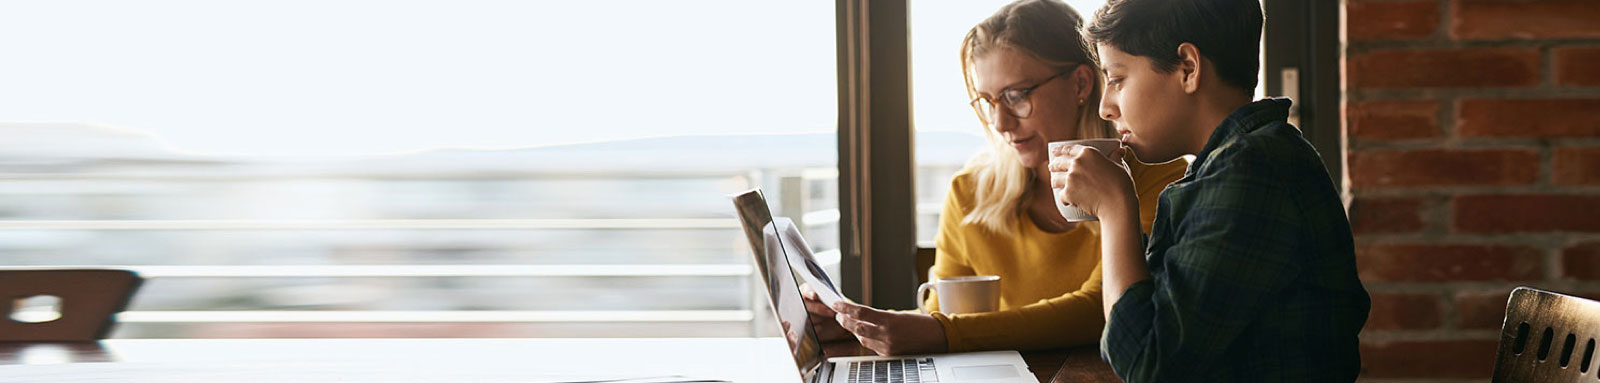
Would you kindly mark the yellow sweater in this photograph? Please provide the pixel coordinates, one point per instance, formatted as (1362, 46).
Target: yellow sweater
(1049, 282)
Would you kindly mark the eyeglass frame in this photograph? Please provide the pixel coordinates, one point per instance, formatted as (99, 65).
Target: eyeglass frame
(1022, 95)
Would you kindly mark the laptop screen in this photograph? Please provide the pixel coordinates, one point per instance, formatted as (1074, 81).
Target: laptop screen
(782, 284)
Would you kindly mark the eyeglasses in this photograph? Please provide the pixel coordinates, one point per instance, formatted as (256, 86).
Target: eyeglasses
(1016, 100)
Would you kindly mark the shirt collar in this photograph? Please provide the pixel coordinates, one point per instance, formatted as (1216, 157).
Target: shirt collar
(1242, 121)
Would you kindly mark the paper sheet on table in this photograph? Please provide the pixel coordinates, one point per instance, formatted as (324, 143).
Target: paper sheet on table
(800, 258)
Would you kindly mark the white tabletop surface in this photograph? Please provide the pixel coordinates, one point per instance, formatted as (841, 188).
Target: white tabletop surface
(399, 360)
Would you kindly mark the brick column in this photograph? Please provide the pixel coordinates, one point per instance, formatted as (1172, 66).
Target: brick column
(1474, 161)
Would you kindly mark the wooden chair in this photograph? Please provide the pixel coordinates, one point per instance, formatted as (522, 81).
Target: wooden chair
(87, 301)
(1548, 337)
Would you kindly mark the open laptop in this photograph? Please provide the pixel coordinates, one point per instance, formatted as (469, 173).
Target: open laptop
(784, 292)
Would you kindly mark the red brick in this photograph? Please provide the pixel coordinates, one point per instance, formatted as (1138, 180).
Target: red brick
(1443, 167)
(1577, 166)
(1448, 68)
(1391, 20)
(1404, 312)
(1447, 263)
(1464, 359)
(1502, 19)
(1529, 118)
(1526, 213)
(1394, 120)
(1386, 215)
(1578, 66)
(1581, 261)
(1481, 310)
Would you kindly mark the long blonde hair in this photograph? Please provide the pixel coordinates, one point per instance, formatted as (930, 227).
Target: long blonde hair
(1047, 30)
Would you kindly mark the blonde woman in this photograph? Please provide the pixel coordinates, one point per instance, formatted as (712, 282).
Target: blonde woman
(1033, 80)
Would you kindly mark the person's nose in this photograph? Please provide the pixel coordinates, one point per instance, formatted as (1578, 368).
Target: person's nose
(1109, 109)
(1004, 123)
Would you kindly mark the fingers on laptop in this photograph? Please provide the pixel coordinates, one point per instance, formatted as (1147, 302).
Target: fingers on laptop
(827, 327)
(814, 302)
(858, 325)
(850, 316)
(866, 324)
(868, 333)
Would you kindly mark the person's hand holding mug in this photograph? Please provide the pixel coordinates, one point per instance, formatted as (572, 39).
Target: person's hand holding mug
(1092, 180)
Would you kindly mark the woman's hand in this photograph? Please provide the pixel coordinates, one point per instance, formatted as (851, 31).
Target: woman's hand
(828, 330)
(1093, 182)
(891, 333)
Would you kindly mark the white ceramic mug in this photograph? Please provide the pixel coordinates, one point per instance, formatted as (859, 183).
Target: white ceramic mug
(1105, 145)
(962, 295)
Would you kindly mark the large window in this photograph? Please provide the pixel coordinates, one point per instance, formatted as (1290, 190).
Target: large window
(422, 168)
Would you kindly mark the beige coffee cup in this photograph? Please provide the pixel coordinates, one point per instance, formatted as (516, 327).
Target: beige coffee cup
(962, 295)
(1105, 145)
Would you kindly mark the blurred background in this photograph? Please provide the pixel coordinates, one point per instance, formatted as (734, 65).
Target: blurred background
(438, 169)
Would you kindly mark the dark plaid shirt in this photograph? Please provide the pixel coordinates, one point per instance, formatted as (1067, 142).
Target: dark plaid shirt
(1252, 266)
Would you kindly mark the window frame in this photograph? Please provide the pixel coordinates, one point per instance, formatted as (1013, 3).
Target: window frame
(1300, 60)
(877, 231)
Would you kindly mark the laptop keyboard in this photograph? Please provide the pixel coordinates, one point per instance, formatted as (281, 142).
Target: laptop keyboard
(893, 371)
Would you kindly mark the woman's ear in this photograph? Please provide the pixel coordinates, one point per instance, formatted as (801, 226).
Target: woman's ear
(1189, 67)
(1084, 77)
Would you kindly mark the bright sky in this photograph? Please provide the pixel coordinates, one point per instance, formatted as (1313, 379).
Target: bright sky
(352, 77)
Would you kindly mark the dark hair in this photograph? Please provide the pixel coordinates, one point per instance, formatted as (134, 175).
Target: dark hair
(1226, 31)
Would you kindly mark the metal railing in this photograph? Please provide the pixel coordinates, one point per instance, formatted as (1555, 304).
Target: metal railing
(410, 271)
(753, 310)
(377, 224)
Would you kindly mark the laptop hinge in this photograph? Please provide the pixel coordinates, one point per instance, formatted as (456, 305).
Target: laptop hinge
(823, 373)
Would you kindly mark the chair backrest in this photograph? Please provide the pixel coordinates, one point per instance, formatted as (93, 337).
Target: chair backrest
(1548, 337)
(87, 301)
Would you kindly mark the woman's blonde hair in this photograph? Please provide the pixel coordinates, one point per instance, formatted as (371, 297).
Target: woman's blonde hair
(1049, 31)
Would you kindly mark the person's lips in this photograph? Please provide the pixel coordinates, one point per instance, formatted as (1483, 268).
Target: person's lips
(1022, 141)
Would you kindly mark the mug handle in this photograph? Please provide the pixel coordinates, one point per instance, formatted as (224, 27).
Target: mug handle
(921, 299)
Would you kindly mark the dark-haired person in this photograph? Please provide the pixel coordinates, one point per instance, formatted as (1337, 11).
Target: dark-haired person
(1248, 273)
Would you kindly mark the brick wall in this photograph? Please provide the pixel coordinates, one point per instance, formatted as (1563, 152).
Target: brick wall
(1474, 161)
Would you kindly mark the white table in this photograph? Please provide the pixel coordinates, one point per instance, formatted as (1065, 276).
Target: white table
(396, 360)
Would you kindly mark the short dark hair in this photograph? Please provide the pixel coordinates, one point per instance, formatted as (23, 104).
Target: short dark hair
(1226, 31)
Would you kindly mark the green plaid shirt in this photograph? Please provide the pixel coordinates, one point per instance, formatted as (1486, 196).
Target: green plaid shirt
(1252, 266)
